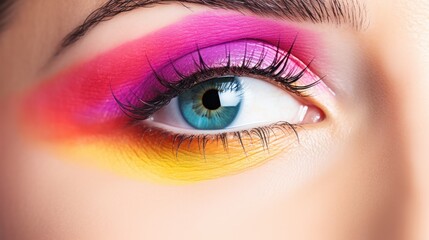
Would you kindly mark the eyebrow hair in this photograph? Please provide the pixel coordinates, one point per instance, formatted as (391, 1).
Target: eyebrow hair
(5, 8)
(338, 12)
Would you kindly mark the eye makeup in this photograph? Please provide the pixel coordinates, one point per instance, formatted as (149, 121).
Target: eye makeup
(242, 57)
(100, 110)
(153, 154)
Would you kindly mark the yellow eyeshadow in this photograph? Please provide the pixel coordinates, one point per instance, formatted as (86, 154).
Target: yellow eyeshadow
(159, 157)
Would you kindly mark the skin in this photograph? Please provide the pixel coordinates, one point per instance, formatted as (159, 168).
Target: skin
(360, 175)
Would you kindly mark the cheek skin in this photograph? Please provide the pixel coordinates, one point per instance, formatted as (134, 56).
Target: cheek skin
(157, 156)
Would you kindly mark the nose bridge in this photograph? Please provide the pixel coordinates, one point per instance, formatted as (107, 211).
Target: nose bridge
(414, 117)
(407, 70)
(402, 50)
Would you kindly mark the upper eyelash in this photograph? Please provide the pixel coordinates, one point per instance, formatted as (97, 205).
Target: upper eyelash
(275, 72)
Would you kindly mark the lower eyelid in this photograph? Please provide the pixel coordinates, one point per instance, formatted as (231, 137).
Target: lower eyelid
(155, 155)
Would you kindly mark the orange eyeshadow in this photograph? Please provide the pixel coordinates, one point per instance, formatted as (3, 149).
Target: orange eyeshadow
(154, 154)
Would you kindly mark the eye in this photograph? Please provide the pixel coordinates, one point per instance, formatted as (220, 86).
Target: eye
(229, 103)
(228, 106)
(225, 88)
(208, 106)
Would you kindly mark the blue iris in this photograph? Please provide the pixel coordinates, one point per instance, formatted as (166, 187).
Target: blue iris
(213, 104)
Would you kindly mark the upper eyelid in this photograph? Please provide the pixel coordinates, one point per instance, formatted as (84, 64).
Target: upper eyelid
(266, 61)
(353, 12)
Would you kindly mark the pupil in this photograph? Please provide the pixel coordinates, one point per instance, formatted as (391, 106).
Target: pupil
(211, 99)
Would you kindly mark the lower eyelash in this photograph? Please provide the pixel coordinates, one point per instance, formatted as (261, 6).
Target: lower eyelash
(263, 137)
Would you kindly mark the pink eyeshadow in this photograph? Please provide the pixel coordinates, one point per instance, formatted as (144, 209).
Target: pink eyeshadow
(80, 98)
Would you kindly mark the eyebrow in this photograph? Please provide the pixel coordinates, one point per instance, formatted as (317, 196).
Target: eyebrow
(337, 12)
